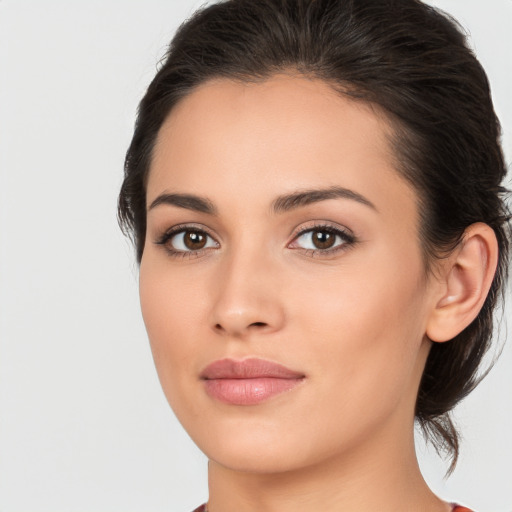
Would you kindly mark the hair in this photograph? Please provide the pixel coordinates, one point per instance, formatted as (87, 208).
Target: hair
(413, 63)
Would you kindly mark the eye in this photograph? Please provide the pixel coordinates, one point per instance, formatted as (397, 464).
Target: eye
(324, 239)
(186, 241)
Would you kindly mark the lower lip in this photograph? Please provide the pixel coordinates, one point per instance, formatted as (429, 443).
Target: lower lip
(248, 391)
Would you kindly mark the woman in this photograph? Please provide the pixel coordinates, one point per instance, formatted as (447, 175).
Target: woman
(314, 192)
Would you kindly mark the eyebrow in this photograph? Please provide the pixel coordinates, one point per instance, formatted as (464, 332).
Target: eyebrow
(281, 204)
(305, 197)
(187, 201)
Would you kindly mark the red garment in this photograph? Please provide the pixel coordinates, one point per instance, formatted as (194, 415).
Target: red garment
(456, 508)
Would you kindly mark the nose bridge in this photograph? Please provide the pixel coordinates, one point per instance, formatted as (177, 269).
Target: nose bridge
(246, 296)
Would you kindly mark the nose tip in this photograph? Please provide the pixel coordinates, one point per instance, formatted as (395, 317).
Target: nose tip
(246, 301)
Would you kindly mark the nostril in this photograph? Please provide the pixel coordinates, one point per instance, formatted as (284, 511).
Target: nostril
(222, 329)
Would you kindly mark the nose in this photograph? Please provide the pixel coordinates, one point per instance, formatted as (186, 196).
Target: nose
(247, 297)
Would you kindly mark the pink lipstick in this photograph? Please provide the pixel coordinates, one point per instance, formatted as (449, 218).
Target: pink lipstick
(248, 382)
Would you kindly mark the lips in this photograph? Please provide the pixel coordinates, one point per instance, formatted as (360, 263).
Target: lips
(248, 382)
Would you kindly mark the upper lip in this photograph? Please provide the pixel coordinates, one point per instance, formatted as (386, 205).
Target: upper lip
(251, 368)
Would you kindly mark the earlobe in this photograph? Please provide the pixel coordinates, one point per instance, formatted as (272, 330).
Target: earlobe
(467, 276)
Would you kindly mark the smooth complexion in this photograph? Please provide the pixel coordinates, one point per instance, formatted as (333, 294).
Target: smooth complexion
(279, 230)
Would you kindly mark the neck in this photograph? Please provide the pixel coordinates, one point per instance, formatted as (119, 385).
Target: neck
(383, 476)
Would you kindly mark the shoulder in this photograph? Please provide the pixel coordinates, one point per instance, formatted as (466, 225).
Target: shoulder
(456, 508)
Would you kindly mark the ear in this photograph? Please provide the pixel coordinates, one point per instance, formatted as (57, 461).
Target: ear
(465, 279)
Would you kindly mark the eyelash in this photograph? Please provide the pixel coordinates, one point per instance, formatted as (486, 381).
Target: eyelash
(347, 238)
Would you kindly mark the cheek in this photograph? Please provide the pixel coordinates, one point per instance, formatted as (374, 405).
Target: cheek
(363, 297)
(363, 324)
(170, 300)
(170, 305)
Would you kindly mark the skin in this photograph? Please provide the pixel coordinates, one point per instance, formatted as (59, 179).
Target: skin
(354, 321)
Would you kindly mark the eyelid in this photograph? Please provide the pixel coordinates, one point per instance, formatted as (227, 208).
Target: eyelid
(321, 224)
(177, 228)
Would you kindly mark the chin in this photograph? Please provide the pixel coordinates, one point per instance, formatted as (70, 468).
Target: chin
(253, 448)
(256, 460)
(261, 450)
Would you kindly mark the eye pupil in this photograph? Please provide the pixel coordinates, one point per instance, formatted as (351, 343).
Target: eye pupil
(323, 239)
(194, 240)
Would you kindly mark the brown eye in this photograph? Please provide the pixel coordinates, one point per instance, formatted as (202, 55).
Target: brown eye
(323, 239)
(194, 240)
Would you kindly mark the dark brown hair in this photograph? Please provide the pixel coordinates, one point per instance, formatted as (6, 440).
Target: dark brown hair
(412, 62)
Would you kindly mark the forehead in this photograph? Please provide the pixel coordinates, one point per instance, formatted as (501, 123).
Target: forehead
(290, 109)
(272, 136)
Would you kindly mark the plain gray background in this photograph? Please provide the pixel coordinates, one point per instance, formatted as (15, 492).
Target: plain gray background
(84, 425)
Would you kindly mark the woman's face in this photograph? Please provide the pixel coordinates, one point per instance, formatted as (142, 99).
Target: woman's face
(278, 230)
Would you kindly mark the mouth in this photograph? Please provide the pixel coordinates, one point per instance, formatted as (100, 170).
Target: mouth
(248, 382)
